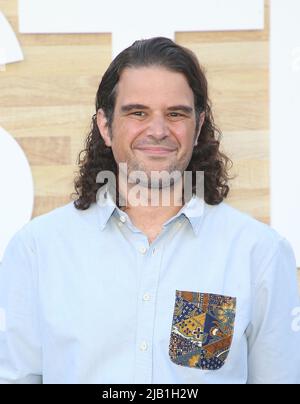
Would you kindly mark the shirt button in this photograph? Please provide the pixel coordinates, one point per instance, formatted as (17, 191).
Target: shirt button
(144, 346)
(143, 250)
(123, 219)
(146, 297)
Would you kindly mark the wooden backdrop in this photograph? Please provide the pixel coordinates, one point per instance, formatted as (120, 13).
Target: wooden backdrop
(47, 102)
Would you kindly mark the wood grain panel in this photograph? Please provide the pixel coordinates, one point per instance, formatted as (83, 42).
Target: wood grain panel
(48, 90)
(47, 151)
(257, 201)
(245, 145)
(47, 121)
(65, 62)
(53, 180)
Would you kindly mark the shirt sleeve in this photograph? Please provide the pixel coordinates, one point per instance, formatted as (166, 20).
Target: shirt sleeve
(20, 347)
(273, 339)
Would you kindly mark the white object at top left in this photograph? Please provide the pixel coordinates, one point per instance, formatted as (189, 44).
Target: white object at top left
(10, 49)
(17, 191)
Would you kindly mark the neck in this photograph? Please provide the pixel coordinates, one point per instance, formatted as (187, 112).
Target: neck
(150, 206)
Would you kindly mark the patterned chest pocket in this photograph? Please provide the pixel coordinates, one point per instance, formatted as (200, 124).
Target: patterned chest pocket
(202, 330)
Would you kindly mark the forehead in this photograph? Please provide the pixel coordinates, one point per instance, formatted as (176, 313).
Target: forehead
(153, 85)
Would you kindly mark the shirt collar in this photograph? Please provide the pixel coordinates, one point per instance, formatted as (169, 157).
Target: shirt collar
(192, 210)
(106, 206)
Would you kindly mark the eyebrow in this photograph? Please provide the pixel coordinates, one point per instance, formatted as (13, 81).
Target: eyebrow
(130, 107)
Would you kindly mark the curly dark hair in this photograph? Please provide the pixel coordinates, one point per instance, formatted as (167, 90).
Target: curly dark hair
(97, 157)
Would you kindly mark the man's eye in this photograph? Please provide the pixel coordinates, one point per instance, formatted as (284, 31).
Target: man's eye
(138, 113)
(175, 114)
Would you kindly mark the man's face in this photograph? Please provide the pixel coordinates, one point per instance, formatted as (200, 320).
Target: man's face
(154, 125)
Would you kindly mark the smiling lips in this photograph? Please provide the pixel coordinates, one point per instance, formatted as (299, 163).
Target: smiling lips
(156, 150)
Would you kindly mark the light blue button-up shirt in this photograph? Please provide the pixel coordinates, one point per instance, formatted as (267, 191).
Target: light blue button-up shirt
(84, 298)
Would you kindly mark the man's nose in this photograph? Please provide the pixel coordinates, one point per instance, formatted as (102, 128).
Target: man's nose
(158, 127)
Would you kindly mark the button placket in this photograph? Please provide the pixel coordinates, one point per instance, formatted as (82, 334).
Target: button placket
(150, 269)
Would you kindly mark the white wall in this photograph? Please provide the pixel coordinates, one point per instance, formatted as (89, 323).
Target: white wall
(10, 50)
(133, 19)
(17, 195)
(285, 120)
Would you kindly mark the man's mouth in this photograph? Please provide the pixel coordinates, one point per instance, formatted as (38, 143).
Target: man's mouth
(156, 150)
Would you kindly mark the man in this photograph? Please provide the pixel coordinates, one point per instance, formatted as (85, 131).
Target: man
(108, 290)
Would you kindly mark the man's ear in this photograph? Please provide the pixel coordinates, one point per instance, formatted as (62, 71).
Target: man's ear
(201, 122)
(103, 127)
